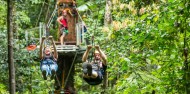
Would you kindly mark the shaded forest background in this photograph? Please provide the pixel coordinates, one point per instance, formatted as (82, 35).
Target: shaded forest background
(146, 42)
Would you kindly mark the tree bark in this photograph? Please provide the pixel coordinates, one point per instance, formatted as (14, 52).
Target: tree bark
(67, 84)
(107, 22)
(108, 15)
(12, 82)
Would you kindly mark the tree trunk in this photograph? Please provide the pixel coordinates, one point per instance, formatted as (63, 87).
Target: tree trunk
(65, 77)
(108, 15)
(107, 21)
(69, 82)
(12, 82)
(186, 64)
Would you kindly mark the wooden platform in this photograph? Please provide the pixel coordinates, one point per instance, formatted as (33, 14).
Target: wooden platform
(71, 51)
(69, 46)
(66, 48)
(66, 43)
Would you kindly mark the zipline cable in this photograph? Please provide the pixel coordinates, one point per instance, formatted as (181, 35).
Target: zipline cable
(81, 18)
(95, 26)
(83, 23)
(93, 36)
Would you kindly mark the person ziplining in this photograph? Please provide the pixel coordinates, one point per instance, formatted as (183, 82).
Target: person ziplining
(48, 63)
(94, 70)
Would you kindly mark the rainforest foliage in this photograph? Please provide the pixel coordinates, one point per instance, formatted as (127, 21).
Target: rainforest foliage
(147, 45)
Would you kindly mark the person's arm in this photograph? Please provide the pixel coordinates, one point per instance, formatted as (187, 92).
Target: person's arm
(85, 55)
(41, 47)
(102, 55)
(58, 20)
(55, 50)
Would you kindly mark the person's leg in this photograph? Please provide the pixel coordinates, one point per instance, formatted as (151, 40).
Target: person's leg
(62, 36)
(99, 77)
(84, 67)
(87, 68)
(88, 71)
(85, 76)
(53, 68)
(94, 74)
(44, 69)
(61, 39)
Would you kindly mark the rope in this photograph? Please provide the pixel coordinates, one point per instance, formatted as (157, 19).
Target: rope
(57, 80)
(79, 14)
(70, 69)
(80, 17)
(53, 15)
(92, 54)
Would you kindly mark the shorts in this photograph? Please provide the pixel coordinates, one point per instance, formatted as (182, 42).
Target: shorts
(63, 31)
(48, 66)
